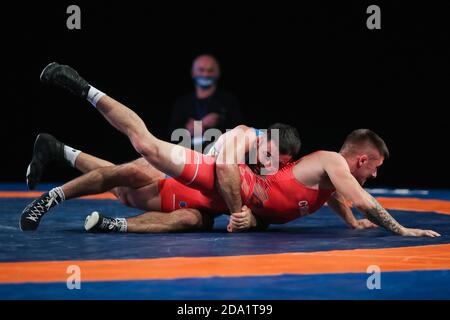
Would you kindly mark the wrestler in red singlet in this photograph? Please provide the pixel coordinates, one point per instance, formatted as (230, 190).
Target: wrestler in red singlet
(274, 199)
(280, 198)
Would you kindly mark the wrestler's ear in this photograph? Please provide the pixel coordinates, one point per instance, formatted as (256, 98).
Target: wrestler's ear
(362, 160)
(257, 144)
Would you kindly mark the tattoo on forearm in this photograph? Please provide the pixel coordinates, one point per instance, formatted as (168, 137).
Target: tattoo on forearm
(381, 217)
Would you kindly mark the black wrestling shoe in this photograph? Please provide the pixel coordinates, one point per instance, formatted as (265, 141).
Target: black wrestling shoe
(65, 77)
(46, 150)
(95, 222)
(33, 213)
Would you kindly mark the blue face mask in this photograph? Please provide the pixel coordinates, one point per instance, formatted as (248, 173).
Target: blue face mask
(205, 82)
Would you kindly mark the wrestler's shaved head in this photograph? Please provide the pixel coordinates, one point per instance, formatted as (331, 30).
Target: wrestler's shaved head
(363, 139)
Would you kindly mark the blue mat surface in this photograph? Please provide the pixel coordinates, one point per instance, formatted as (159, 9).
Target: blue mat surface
(61, 237)
(424, 285)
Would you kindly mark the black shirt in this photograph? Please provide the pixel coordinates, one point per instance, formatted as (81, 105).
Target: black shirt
(221, 102)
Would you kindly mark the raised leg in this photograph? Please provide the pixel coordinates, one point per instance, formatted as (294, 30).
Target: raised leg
(86, 163)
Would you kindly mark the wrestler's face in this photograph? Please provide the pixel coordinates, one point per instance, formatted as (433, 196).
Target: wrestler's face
(367, 166)
(285, 159)
(269, 156)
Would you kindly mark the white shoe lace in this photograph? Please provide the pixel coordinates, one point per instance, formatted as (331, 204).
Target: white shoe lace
(110, 224)
(113, 224)
(40, 208)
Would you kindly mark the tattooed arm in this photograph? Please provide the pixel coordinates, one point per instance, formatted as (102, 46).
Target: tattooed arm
(339, 173)
(378, 215)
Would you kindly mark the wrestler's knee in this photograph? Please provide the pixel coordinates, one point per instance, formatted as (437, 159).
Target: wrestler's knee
(146, 145)
(122, 193)
(131, 175)
(127, 171)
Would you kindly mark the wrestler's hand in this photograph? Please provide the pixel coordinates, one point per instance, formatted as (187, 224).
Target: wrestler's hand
(242, 221)
(419, 233)
(363, 224)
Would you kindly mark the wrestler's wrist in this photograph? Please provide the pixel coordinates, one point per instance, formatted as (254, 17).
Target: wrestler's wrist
(353, 222)
(403, 231)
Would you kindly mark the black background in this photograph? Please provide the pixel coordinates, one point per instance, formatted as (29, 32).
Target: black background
(313, 65)
(282, 309)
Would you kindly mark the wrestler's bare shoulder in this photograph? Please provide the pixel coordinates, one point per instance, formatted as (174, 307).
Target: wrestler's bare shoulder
(322, 157)
(311, 170)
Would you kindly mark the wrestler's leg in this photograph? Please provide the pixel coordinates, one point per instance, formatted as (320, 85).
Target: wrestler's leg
(151, 222)
(174, 160)
(166, 157)
(179, 220)
(129, 175)
(146, 198)
(104, 179)
(86, 162)
(142, 197)
(129, 182)
(47, 149)
(125, 188)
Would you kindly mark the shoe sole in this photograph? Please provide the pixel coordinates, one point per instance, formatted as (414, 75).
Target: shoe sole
(91, 221)
(25, 230)
(29, 165)
(45, 69)
(26, 176)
